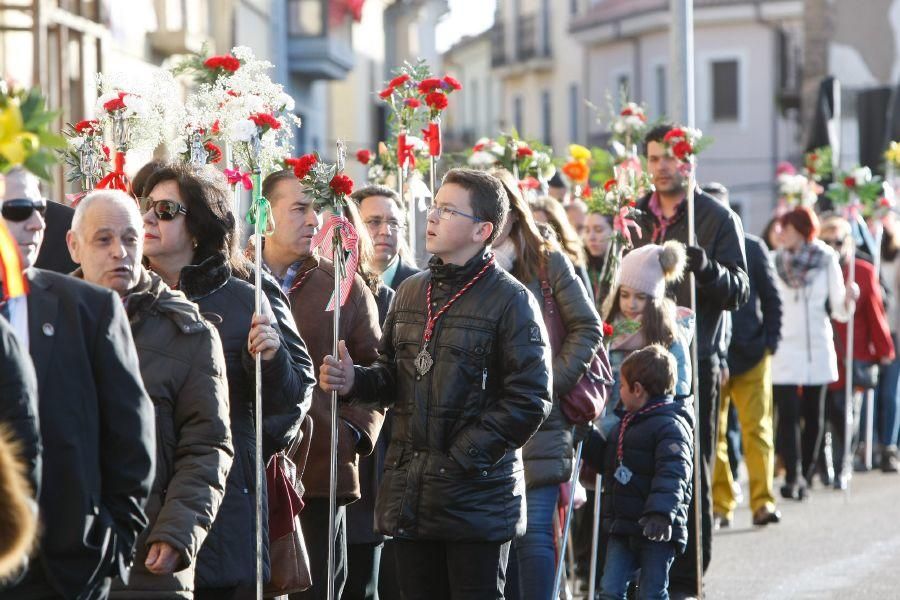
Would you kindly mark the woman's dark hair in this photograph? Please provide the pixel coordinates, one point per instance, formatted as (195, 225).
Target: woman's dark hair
(804, 220)
(209, 219)
(658, 322)
(532, 249)
(139, 181)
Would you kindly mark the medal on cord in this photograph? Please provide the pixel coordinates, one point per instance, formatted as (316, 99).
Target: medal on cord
(424, 361)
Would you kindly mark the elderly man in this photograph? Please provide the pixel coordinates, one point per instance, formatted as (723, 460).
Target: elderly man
(96, 419)
(183, 369)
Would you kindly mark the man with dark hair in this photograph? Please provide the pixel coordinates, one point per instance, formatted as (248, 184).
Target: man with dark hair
(716, 258)
(382, 212)
(308, 281)
(465, 365)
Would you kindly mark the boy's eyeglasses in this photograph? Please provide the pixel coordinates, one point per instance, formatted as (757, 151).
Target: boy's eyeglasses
(165, 210)
(444, 213)
(21, 209)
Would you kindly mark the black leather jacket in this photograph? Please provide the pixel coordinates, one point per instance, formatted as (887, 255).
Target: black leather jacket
(724, 285)
(454, 470)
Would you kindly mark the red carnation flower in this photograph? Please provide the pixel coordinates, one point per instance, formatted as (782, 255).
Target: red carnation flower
(412, 103)
(626, 112)
(364, 156)
(675, 132)
(115, 103)
(386, 93)
(87, 127)
(682, 149)
(884, 202)
(429, 85)
(610, 184)
(452, 83)
(225, 62)
(215, 153)
(436, 100)
(850, 182)
(216, 128)
(587, 191)
(478, 147)
(265, 121)
(607, 329)
(106, 151)
(522, 151)
(399, 80)
(301, 165)
(529, 183)
(342, 185)
(233, 93)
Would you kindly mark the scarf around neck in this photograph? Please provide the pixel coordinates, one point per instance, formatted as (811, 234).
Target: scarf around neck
(795, 267)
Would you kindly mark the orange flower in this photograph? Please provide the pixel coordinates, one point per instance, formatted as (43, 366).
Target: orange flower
(576, 171)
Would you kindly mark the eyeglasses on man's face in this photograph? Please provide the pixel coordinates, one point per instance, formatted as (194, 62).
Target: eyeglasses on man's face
(444, 213)
(376, 223)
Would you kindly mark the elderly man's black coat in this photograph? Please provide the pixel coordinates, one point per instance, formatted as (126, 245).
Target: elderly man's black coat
(97, 430)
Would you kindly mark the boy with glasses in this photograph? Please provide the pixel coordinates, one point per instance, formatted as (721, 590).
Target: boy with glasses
(465, 366)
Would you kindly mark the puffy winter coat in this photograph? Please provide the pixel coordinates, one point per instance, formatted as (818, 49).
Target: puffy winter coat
(806, 353)
(183, 369)
(227, 557)
(453, 471)
(658, 450)
(549, 454)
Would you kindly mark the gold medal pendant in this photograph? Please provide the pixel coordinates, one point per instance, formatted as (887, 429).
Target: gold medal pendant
(424, 362)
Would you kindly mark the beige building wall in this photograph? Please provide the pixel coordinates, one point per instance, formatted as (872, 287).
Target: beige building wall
(473, 111)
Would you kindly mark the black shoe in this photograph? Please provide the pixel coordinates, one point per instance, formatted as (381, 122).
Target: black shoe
(794, 491)
(720, 521)
(889, 460)
(764, 516)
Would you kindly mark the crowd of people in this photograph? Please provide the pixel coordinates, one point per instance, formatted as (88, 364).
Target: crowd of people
(129, 385)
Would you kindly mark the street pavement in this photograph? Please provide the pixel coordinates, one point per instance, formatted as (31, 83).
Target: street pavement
(830, 546)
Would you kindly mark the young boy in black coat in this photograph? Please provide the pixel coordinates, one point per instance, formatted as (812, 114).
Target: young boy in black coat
(646, 465)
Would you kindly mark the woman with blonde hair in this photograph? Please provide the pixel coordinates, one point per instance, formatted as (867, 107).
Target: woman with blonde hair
(548, 211)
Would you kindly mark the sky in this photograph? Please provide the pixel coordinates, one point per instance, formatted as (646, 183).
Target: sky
(466, 17)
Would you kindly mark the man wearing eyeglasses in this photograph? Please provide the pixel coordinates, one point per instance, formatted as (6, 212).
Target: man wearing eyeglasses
(96, 420)
(465, 366)
(379, 207)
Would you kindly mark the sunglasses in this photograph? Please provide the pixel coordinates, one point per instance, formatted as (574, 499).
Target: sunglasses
(165, 210)
(21, 209)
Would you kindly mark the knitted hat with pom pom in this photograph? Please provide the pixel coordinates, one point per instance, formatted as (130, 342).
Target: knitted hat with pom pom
(650, 268)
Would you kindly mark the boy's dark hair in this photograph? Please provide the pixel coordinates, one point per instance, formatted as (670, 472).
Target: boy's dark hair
(653, 367)
(488, 198)
(656, 134)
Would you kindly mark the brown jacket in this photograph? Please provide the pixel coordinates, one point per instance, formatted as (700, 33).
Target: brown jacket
(359, 328)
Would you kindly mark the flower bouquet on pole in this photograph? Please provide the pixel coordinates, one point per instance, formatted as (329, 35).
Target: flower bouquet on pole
(616, 200)
(86, 157)
(25, 136)
(139, 114)
(818, 164)
(531, 163)
(794, 189)
(329, 188)
(577, 171)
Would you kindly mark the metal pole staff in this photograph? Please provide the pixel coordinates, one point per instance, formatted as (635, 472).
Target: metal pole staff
(339, 268)
(595, 539)
(260, 224)
(849, 400)
(561, 559)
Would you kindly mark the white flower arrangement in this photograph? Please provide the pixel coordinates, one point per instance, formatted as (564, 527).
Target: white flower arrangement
(151, 107)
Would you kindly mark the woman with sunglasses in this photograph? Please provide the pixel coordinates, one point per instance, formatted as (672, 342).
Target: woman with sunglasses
(810, 284)
(533, 260)
(191, 242)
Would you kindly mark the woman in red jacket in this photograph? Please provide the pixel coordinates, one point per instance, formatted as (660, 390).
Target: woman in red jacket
(872, 343)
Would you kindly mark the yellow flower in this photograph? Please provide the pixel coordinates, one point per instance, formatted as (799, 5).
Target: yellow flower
(893, 153)
(579, 153)
(15, 144)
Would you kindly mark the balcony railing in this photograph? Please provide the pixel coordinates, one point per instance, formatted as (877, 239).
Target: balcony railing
(318, 48)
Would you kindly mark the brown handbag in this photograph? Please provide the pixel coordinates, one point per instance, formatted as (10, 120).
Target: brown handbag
(585, 401)
(288, 556)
